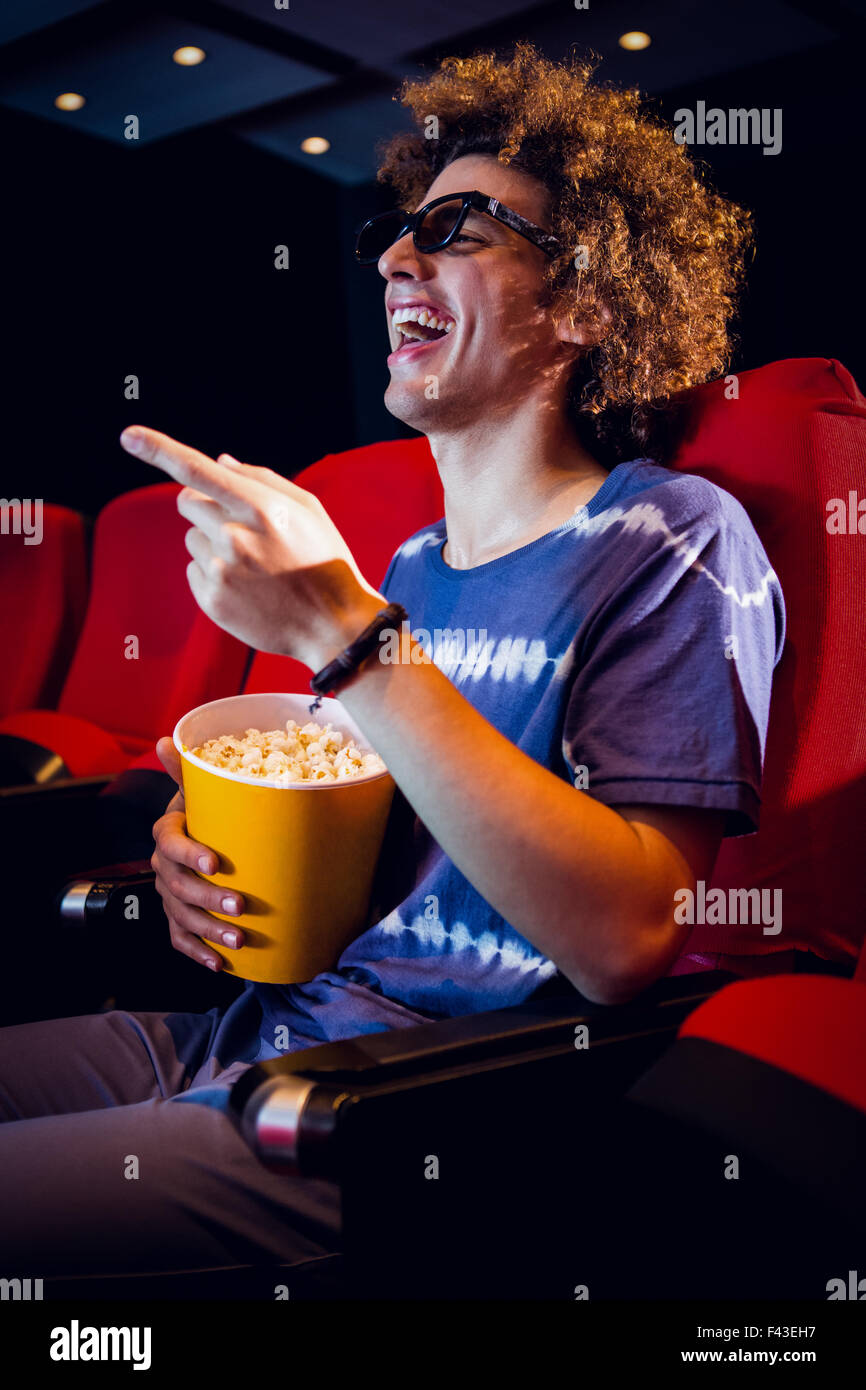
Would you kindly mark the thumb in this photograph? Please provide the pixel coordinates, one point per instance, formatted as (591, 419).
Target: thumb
(170, 759)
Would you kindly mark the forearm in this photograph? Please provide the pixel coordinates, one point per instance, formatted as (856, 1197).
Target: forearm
(591, 891)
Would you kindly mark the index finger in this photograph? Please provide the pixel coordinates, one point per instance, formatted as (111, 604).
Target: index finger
(186, 465)
(179, 848)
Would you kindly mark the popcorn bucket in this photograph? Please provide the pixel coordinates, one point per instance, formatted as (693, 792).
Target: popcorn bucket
(303, 856)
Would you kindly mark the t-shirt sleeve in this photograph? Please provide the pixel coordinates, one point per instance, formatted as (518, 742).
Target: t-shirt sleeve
(672, 672)
(389, 574)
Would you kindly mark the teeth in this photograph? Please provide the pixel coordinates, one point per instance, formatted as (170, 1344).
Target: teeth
(416, 314)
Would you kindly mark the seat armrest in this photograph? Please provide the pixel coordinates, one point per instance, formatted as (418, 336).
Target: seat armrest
(99, 893)
(289, 1109)
(61, 788)
(472, 1036)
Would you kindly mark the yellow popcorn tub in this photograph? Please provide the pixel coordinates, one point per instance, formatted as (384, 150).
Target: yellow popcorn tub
(302, 855)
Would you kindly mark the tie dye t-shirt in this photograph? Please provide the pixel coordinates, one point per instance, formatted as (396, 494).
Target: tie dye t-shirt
(631, 652)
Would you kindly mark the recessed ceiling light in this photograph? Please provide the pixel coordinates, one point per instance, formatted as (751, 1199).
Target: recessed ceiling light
(189, 56)
(69, 101)
(315, 144)
(634, 40)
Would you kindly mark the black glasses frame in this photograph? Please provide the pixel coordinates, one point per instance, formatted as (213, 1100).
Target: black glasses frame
(480, 202)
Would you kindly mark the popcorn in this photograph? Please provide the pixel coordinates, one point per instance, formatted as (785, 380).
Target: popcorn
(308, 753)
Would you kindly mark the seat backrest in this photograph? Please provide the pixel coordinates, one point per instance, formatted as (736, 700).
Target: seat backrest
(792, 442)
(44, 586)
(377, 496)
(140, 602)
(764, 1020)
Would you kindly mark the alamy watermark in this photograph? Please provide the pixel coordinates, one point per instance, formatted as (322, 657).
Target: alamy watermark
(846, 516)
(851, 1288)
(737, 126)
(443, 646)
(22, 517)
(20, 1290)
(77, 1343)
(736, 907)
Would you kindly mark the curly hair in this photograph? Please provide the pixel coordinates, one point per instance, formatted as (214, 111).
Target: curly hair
(664, 254)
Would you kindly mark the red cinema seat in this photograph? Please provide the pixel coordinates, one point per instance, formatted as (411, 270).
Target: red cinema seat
(766, 1075)
(44, 586)
(812, 1027)
(146, 653)
(377, 496)
(793, 441)
(733, 1168)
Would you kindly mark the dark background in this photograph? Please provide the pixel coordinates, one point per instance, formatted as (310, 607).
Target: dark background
(156, 258)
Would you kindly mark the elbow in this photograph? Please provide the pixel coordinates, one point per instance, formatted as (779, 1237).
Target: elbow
(626, 971)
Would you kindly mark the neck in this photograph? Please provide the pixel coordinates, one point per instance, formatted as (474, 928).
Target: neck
(509, 484)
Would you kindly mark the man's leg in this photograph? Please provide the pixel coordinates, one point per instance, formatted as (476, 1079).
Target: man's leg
(156, 1186)
(108, 1164)
(61, 1066)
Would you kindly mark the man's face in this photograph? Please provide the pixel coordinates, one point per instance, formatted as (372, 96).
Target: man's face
(501, 347)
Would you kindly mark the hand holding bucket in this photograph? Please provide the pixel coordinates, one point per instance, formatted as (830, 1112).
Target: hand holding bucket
(303, 856)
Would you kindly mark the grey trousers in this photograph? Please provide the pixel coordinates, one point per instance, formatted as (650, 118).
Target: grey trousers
(106, 1167)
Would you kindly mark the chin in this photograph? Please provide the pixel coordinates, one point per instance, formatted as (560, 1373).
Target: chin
(411, 407)
(408, 403)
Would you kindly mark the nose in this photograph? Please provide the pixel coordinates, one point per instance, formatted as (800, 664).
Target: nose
(402, 258)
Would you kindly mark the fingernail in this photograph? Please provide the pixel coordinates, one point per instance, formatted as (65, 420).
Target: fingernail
(131, 441)
(214, 965)
(231, 938)
(231, 905)
(204, 864)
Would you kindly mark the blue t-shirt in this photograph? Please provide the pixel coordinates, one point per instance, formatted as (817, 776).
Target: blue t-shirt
(631, 652)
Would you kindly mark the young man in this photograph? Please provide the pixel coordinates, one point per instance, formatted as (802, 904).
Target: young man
(561, 778)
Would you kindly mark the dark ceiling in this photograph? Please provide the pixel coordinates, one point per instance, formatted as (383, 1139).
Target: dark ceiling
(331, 67)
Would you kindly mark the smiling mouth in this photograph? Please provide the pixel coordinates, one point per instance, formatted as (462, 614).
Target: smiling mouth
(417, 325)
